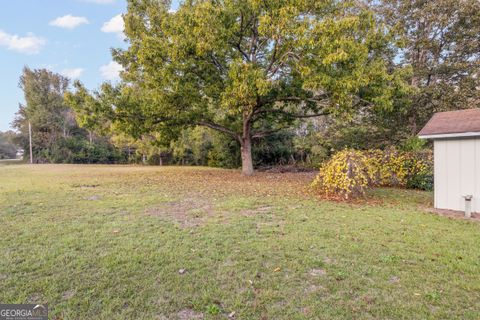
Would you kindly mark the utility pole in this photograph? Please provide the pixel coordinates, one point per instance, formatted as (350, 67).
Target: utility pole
(30, 139)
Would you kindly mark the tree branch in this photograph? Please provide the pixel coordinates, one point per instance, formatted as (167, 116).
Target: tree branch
(244, 54)
(316, 99)
(254, 41)
(220, 128)
(274, 56)
(289, 114)
(281, 61)
(217, 64)
(297, 115)
(262, 134)
(238, 44)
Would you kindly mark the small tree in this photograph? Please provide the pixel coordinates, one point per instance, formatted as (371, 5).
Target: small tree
(51, 120)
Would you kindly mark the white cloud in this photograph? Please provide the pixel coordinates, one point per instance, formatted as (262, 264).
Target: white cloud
(29, 44)
(114, 25)
(69, 21)
(111, 71)
(74, 73)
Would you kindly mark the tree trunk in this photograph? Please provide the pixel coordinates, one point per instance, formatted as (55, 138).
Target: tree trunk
(246, 150)
(160, 160)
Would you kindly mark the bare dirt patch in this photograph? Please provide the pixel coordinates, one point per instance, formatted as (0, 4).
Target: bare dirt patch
(68, 294)
(35, 298)
(255, 211)
(189, 314)
(192, 211)
(454, 214)
(317, 272)
(188, 212)
(313, 288)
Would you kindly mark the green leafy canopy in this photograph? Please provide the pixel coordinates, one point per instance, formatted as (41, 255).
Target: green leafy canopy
(248, 68)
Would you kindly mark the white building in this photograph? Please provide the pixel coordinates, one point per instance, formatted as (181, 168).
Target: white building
(456, 140)
(20, 153)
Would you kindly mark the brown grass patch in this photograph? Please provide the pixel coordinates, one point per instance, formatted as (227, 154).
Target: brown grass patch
(188, 212)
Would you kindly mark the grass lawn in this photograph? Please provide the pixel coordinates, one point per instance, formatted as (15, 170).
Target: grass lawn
(122, 242)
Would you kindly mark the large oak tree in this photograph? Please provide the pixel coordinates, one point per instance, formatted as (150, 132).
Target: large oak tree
(248, 68)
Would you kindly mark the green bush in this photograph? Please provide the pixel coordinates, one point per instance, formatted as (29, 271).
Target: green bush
(421, 181)
(414, 144)
(419, 166)
(79, 150)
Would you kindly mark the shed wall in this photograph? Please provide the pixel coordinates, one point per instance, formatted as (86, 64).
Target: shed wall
(457, 173)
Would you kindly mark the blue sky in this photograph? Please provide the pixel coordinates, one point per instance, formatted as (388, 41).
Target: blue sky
(72, 37)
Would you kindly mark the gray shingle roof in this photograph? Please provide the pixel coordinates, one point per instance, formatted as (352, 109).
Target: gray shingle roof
(450, 122)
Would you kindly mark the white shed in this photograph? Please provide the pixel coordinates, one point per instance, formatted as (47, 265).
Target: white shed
(456, 141)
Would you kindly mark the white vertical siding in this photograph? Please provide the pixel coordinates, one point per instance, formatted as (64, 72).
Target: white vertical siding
(476, 176)
(440, 173)
(467, 169)
(454, 196)
(457, 173)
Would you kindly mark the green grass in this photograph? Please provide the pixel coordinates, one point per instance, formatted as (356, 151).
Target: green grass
(107, 242)
(4, 162)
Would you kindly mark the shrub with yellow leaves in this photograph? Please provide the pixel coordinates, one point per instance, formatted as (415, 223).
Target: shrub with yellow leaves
(349, 173)
(389, 167)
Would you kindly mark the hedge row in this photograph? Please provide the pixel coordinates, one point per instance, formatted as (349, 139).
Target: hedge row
(350, 173)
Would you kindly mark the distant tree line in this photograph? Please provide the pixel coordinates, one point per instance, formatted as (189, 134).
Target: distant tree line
(258, 83)
(56, 136)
